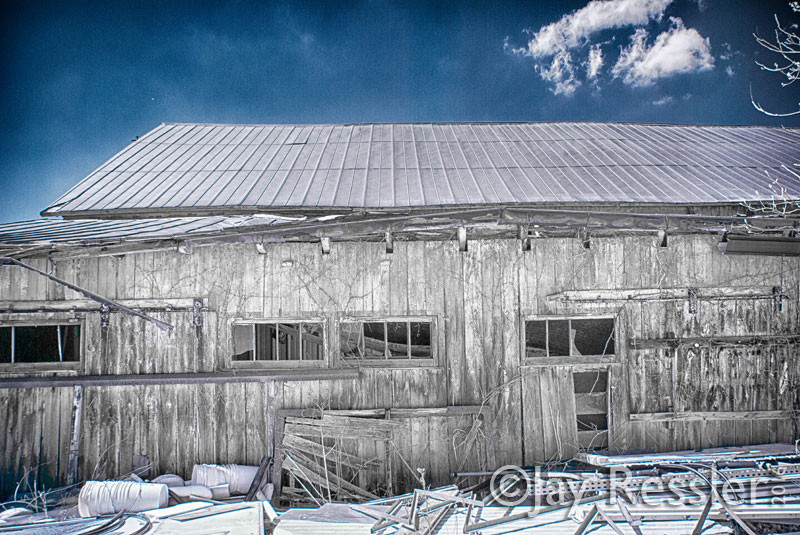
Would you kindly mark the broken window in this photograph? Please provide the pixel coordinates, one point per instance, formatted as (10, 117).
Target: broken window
(386, 340)
(279, 341)
(570, 337)
(591, 408)
(590, 382)
(26, 344)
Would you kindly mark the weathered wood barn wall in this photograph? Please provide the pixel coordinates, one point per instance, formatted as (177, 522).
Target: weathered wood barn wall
(479, 299)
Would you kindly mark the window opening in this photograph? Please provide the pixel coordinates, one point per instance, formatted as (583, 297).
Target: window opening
(278, 341)
(385, 340)
(26, 344)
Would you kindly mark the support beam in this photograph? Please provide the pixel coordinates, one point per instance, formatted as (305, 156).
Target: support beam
(663, 238)
(86, 305)
(751, 340)
(525, 237)
(177, 378)
(665, 294)
(389, 239)
(325, 244)
(75, 435)
(586, 239)
(701, 416)
(462, 239)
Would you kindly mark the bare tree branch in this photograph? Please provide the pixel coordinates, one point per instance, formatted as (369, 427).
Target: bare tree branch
(787, 44)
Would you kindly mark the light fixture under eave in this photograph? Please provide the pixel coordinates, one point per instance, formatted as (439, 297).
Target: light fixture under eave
(759, 245)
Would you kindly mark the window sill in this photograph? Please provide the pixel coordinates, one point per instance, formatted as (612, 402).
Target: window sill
(565, 361)
(380, 363)
(40, 367)
(276, 364)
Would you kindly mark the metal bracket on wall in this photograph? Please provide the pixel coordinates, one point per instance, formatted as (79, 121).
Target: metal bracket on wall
(692, 300)
(197, 312)
(105, 316)
(777, 297)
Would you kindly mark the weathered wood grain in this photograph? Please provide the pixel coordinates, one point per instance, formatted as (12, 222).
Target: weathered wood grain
(479, 298)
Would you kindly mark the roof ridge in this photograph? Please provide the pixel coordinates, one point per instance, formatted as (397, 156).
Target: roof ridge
(412, 123)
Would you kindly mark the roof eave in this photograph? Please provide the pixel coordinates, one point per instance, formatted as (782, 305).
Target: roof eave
(317, 211)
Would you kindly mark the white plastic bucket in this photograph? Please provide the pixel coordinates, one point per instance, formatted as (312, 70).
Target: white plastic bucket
(109, 497)
(170, 480)
(239, 477)
(198, 491)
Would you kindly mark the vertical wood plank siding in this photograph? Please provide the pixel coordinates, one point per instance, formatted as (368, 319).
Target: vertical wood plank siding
(479, 299)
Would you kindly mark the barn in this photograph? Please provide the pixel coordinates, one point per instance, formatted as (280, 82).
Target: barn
(376, 305)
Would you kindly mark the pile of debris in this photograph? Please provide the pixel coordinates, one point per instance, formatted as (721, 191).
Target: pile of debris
(167, 503)
(753, 490)
(725, 491)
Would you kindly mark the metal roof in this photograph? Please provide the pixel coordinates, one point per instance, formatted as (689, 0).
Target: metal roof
(48, 231)
(189, 169)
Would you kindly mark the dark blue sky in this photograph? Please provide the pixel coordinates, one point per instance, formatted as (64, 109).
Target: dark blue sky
(80, 80)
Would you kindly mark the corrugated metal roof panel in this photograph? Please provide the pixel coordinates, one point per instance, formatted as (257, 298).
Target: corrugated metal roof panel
(211, 168)
(47, 231)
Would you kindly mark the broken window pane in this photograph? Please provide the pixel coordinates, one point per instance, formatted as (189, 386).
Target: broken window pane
(392, 339)
(374, 340)
(420, 339)
(569, 337)
(5, 345)
(70, 342)
(40, 343)
(559, 337)
(351, 341)
(35, 344)
(267, 342)
(592, 422)
(313, 341)
(594, 336)
(243, 342)
(536, 338)
(590, 382)
(397, 338)
(289, 341)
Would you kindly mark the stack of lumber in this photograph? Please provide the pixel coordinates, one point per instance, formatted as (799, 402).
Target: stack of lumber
(325, 455)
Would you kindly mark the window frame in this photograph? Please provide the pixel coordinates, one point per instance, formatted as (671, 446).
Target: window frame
(255, 364)
(569, 359)
(431, 362)
(76, 365)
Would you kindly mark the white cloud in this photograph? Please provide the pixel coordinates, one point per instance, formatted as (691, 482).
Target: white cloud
(727, 52)
(561, 74)
(662, 101)
(565, 55)
(729, 71)
(575, 28)
(678, 50)
(595, 62)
